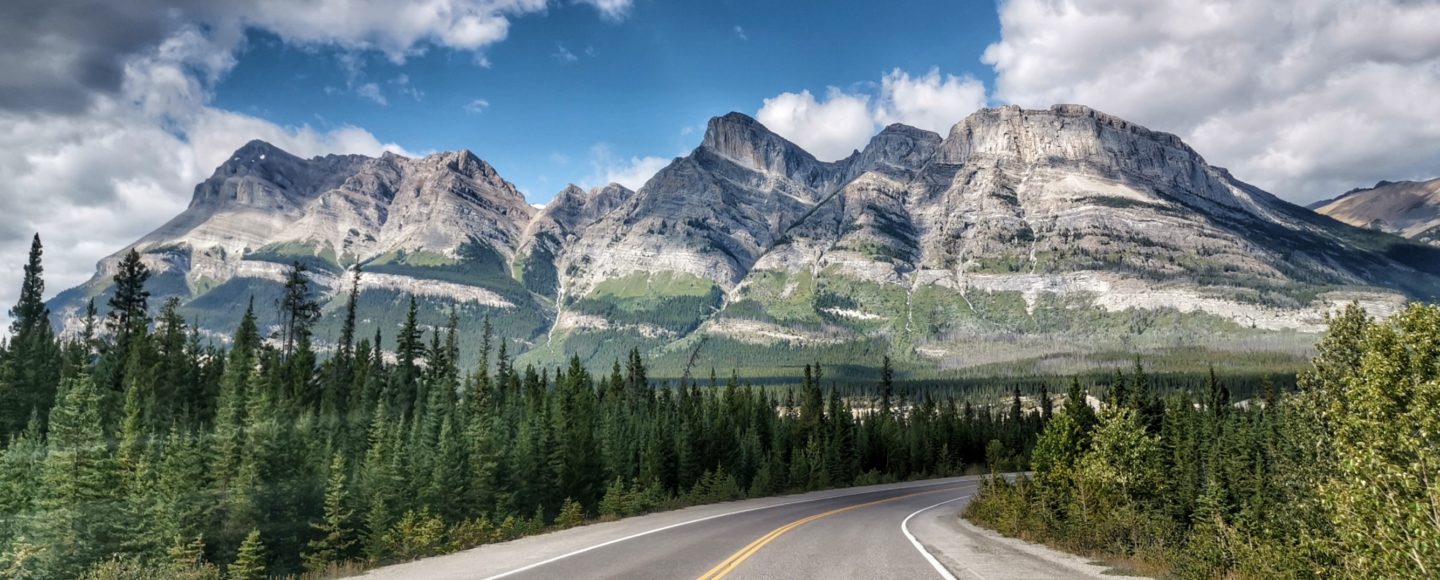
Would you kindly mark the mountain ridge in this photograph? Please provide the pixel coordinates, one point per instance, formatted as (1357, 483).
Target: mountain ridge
(1410, 209)
(1045, 217)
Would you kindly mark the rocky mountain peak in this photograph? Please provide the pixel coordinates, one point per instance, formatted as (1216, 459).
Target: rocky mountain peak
(1407, 208)
(896, 150)
(744, 141)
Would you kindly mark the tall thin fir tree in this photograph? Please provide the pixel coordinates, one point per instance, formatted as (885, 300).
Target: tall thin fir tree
(31, 371)
(79, 493)
(130, 302)
(298, 309)
(337, 536)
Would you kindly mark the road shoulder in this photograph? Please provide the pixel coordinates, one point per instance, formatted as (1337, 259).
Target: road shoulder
(974, 553)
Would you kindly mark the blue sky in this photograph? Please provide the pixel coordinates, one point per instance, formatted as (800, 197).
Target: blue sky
(111, 112)
(565, 81)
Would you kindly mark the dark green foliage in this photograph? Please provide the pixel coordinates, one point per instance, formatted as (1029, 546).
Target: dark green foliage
(30, 366)
(249, 563)
(272, 458)
(129, 305)
(1331, 481)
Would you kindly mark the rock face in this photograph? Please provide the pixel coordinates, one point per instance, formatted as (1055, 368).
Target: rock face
(1019, 237)
(560, 224)
(443, 227)
(1406, 208)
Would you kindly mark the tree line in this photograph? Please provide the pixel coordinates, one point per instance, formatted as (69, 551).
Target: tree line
(1337, 479)
(135, 447)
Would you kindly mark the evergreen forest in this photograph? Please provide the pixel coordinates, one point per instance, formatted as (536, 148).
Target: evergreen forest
(135, 447)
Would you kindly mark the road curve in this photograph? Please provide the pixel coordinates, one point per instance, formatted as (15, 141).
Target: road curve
(906, 530)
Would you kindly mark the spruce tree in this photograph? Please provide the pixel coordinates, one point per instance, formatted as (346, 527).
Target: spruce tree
(78, 483)
(21, 465)
(129, 304)
(1077, 406)
(887, 386)
(336, 535)
(30, 313)
(249, 562)
(298, 309)
(31, 369)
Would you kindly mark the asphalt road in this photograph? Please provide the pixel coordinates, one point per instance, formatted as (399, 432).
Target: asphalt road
(909, 530)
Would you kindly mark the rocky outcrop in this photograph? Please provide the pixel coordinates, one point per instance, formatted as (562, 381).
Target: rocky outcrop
(1406, 208)
(1016, 223)
(558, 225)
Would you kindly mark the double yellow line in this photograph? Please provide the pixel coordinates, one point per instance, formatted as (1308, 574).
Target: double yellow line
(738, 558)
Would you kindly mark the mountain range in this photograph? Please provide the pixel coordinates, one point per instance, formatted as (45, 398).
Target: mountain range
(1023, 241)
(1406, 208)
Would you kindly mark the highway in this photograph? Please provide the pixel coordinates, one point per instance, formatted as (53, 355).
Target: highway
(909, 530)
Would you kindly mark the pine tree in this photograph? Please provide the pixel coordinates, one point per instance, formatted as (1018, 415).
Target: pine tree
(887, 387)
(1047, 407)
(1077, 406)
(336, 398)
(129, 305)
(78, 482)
(336, 535)
(21, 465)
(298, 309)
(407, 350)
(31, 369)
(30, 313)
(249, 562)
(811, 403)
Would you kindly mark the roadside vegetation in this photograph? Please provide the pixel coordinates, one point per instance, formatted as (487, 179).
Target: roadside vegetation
(1338, 479)
(136, 448)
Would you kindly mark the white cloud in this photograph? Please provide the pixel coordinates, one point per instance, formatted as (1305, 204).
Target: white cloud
(1305, 100)
(94, 182)
(106, 122)
(399, 31)
(928, 102)
(740, 32)
(829, 129)
(563, 54)
(611, 168)
(842, 122)
(613, 10)
(59, 54)
(476, 106)
(371, 92)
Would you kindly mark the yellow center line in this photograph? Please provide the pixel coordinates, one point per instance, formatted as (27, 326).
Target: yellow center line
(723, 568)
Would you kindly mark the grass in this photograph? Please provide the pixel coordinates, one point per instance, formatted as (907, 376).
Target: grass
(310, 254)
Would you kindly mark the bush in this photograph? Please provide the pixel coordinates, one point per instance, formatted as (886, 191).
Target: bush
(571, 514)
(417, 535)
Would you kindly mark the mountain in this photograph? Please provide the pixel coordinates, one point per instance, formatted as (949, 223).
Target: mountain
(444, 228)
(1023, 241)
(1406, 208)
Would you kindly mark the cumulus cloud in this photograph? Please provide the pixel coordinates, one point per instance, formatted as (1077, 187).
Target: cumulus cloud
(929, 102)
(1304, 100)
(59, 54)
(829, 129)
(613, 10)
(630, 172)
(106, 121)
(841, 122)
(92, 183)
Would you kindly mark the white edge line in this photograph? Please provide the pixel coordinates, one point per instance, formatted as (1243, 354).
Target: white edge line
(707, 518)
(905, 529)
